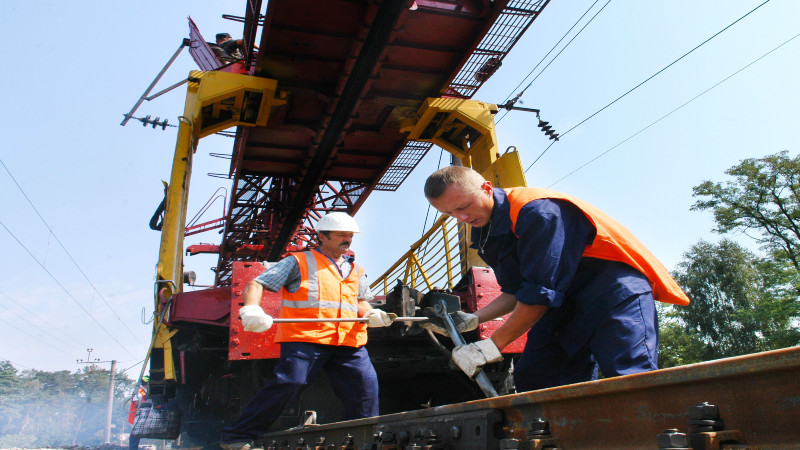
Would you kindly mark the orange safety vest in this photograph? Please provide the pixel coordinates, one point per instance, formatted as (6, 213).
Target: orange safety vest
(323, 293)
(613, 242)
(137, 400)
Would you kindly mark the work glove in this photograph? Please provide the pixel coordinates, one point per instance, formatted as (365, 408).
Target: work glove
(463, 322)
(472, 357)
(255, 319)
(378, 318)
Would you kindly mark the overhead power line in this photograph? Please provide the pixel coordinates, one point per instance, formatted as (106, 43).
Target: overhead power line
(15, 364)
(648, 79)
(65, 289)
(64, 337)
(675, 110)
(68, 253)
(51, 345)
(519, 95)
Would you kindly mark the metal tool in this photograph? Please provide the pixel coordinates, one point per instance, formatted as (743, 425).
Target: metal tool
(480, 377)
(392, 316)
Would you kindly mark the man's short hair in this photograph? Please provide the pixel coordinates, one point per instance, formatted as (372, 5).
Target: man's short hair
(465, 177)
(221, 36)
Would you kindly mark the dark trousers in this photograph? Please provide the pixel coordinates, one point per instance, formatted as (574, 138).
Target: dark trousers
(624, 342)
(349, 369)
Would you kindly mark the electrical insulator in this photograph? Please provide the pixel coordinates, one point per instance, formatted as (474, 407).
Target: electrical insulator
(154, 122)
(544, 126)
(548, 130)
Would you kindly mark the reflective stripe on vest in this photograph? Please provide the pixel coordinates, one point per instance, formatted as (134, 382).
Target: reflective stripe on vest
(323, 293)
(613, 242)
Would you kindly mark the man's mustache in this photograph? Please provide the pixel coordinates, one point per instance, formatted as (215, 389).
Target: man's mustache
(347, 243)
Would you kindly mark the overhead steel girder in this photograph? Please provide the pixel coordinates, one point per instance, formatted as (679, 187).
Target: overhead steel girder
(384, 22)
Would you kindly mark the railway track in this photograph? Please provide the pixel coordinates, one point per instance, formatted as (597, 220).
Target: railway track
(750, 401)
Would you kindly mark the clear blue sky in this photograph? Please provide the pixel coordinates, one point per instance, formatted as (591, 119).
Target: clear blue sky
(76, 68)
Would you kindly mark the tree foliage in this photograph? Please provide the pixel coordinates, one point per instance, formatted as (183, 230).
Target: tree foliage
(49, 409)
(740, 304)
(677, 346)
(764, 198)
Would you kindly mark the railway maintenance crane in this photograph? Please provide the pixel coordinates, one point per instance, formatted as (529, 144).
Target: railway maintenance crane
(344, 98)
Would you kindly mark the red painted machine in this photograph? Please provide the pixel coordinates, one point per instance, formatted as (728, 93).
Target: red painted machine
(344, 99)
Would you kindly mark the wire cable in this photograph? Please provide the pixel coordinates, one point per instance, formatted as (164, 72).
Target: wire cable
(519, 95)
(50, 345)
(15, 364)
(131, 367)
(56, 339)
(508, 97)
(64, 288)
(676, 109)
(67, 252)
(648, 79)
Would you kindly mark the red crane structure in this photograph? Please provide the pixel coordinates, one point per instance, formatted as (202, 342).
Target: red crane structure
(340, 98)
(352, 72)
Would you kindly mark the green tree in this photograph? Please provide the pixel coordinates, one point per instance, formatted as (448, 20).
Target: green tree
(9, 380)
(740, 304)
(49, 409)
(11, 388)
(763, 198)
(677, 347)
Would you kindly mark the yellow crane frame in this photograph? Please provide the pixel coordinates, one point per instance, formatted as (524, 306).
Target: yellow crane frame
(466, 129)
(214, 101)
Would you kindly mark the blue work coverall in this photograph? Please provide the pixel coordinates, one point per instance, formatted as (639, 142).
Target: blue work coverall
(601, 313)
(349, 369)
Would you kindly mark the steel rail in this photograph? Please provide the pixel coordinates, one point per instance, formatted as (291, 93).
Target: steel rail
(758, 397)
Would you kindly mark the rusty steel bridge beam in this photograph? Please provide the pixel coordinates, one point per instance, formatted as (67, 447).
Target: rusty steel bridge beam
(384, 23)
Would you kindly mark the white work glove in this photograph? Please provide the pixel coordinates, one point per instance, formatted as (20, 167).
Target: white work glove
(463, 322)
(255, 319)
(471, 357)
(378, 318)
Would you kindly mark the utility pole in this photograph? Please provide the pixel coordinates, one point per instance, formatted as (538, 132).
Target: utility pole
(110, 403)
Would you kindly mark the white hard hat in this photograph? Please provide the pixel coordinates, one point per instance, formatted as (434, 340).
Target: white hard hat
(337, 221)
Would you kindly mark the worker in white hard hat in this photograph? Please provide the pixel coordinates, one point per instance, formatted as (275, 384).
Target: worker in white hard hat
(324, 283)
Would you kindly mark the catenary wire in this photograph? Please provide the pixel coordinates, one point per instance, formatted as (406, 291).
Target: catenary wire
(15, 364)
(508, 97)
(646, 80)
(60, 340)
(674, 110)
(519, 95)
(50, 345)
(131, 367)
(65, 289)
(67, 252)
(534, 79)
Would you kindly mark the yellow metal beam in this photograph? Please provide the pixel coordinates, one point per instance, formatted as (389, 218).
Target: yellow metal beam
(466, 129)
(214, 101)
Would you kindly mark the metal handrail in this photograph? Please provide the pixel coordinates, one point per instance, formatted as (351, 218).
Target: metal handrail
(437, 260)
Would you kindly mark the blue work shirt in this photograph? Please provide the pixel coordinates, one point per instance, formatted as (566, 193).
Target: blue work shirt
(545, 266)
